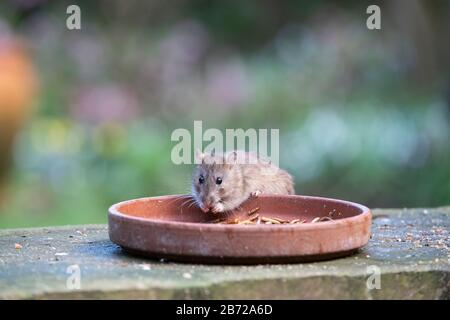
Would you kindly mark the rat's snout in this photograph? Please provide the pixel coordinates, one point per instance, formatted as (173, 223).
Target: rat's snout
(207, 205)
(208, 208)
(204, 208)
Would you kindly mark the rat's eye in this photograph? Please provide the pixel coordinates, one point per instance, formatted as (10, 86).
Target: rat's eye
(218, 180)
(201, 179)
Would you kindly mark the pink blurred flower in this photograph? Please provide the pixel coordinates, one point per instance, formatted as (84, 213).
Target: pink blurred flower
(182, 50)
(104, 103)
(227, 83)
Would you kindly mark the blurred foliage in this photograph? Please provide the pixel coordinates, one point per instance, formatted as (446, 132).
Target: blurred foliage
(362, 114)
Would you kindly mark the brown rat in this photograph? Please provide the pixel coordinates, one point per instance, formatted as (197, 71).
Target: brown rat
(223, 182)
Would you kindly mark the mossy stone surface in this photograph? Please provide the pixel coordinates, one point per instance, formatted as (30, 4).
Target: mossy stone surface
(410, 248)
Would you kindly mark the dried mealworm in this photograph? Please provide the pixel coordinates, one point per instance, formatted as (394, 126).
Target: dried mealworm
(273, 221)
(253, 211)
(280, 220)
(233, 221)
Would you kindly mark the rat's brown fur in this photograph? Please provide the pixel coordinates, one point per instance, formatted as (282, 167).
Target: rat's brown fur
(243, 175)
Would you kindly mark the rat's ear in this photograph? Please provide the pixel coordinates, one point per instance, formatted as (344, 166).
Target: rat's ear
(199, 156)
(232, 157)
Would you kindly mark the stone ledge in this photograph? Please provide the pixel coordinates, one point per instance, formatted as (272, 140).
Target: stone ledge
(411, 248)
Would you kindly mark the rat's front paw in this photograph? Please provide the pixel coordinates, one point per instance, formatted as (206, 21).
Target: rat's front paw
(255, 193)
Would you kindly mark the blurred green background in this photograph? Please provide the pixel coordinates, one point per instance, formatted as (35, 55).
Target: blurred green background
(87, 114)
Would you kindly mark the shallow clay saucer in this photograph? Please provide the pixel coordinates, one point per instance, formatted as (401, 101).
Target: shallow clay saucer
(170, 227)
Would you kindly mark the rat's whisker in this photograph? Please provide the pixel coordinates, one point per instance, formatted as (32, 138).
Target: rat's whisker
(190, 200)
(175, 200)
(239, 208)
(192, 203)
(180, 197)
(227, 212)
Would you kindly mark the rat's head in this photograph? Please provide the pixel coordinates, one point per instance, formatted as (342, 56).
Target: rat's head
(217, 182)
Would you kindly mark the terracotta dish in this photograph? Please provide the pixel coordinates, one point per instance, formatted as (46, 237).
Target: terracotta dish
(170, 227)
